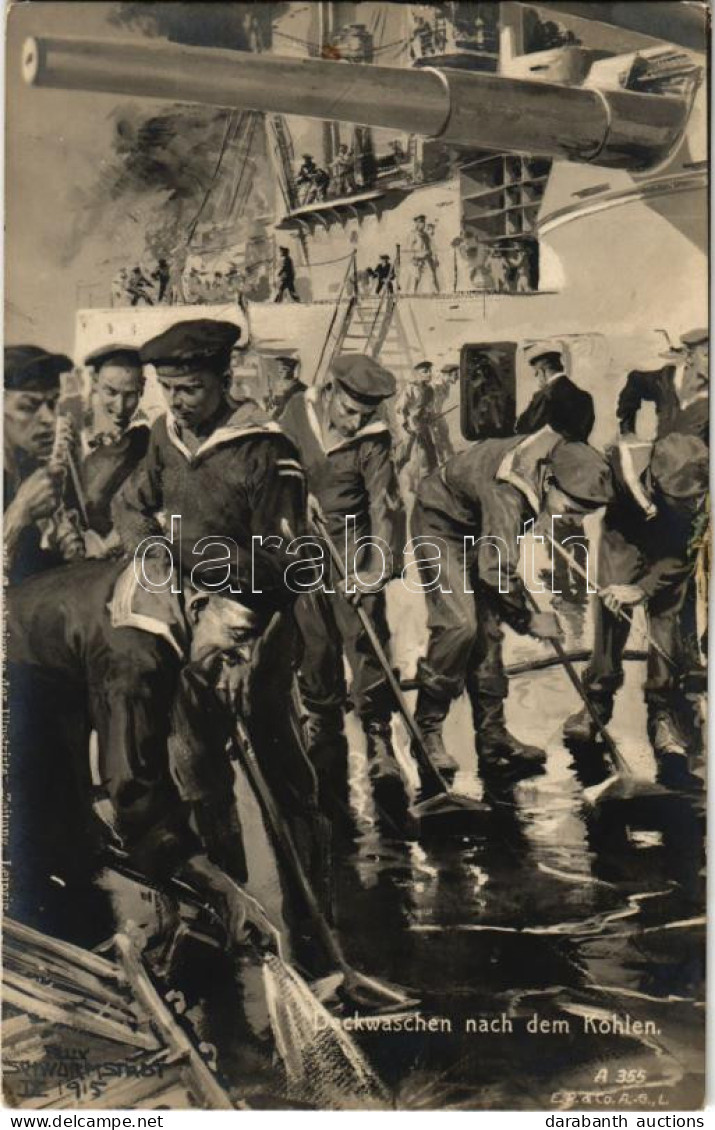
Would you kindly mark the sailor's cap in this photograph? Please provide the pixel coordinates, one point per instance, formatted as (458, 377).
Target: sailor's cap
(582, 472)
(115, 352)
(29, 368)
(363, 377)
(679, 465)
(201, 343)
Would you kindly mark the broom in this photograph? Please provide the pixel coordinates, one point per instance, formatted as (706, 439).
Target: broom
(623, 784)
(437, 799)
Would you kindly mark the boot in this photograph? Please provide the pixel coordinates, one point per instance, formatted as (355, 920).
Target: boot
(430, 713)
(499, 752)
(580, 728)
(383, 771)
(328, 752)
(665, 736)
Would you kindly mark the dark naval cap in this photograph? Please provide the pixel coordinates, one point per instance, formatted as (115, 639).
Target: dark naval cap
(679, 465)
(116, 354)
(582, 472)
(694, 337)
(363, 378)
(202, 343)
(28, 368)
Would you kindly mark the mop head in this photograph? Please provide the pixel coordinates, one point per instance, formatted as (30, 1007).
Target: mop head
(323, 1066)
(622, 786)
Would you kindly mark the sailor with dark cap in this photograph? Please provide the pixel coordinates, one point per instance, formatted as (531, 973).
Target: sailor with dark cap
(679, 390)
(647, 557)
(346, 448)
(232, 475)
(418, 451)
(120, 442)
(488, 492)
(38, 532)
(283, 380)
(558, 403)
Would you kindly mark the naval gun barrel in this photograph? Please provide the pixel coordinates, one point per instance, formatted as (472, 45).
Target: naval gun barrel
(616, 128)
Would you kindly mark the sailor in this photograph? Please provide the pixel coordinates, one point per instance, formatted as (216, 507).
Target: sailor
(422, 252)
(40, 533)
(558, 403)
(230, 474)
(342, 169)
(83, 660)
(384, 275)
(286, 276)
(646, 558)
(679, 390)
(346, 448)
(449, 376)
(489, 491)
(283, 379)
(114, 450)
(138, 287)
(418, 451)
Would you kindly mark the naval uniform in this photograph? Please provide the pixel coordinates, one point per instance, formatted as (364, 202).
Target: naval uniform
(485, 495)
(654, 553)
(351, 476)
(78, 663)
(675, 411)
(560, 405)
(109, 461)
(241, 482)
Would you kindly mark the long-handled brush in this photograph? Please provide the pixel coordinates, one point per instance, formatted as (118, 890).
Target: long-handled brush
(623, 784)
(364, 991)
(437, 799)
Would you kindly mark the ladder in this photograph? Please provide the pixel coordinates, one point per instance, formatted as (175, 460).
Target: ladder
(286, 157)
(370, 325)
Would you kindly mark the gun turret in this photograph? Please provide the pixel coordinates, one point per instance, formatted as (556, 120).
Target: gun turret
(614, 127)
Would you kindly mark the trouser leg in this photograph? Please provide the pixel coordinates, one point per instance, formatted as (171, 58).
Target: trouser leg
(488, 688)
(619, 562)
(321, 680)
(452, 628)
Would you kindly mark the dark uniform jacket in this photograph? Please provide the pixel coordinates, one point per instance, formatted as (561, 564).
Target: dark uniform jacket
(106, 467)
(69, 628)
(243, 480)
(663, 540)
(659, 386)
(561, 405)
(354, 476)
(490, 491)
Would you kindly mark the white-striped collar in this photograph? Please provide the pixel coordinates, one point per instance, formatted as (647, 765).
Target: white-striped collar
(236, 427)
(158, 613)
(532, 450)
(312, 396)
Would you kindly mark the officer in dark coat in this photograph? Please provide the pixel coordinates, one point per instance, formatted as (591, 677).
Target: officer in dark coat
(37, 536)
(115, 450)
(558, 403)
(646, 557)
(346, 448)
(679, 391)
(488, 492)
(230, 474)
(90, 651)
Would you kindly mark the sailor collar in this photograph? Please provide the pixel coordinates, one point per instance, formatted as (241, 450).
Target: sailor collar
(157, 612)
(243, 422)
(312, 398)
(520, 466)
